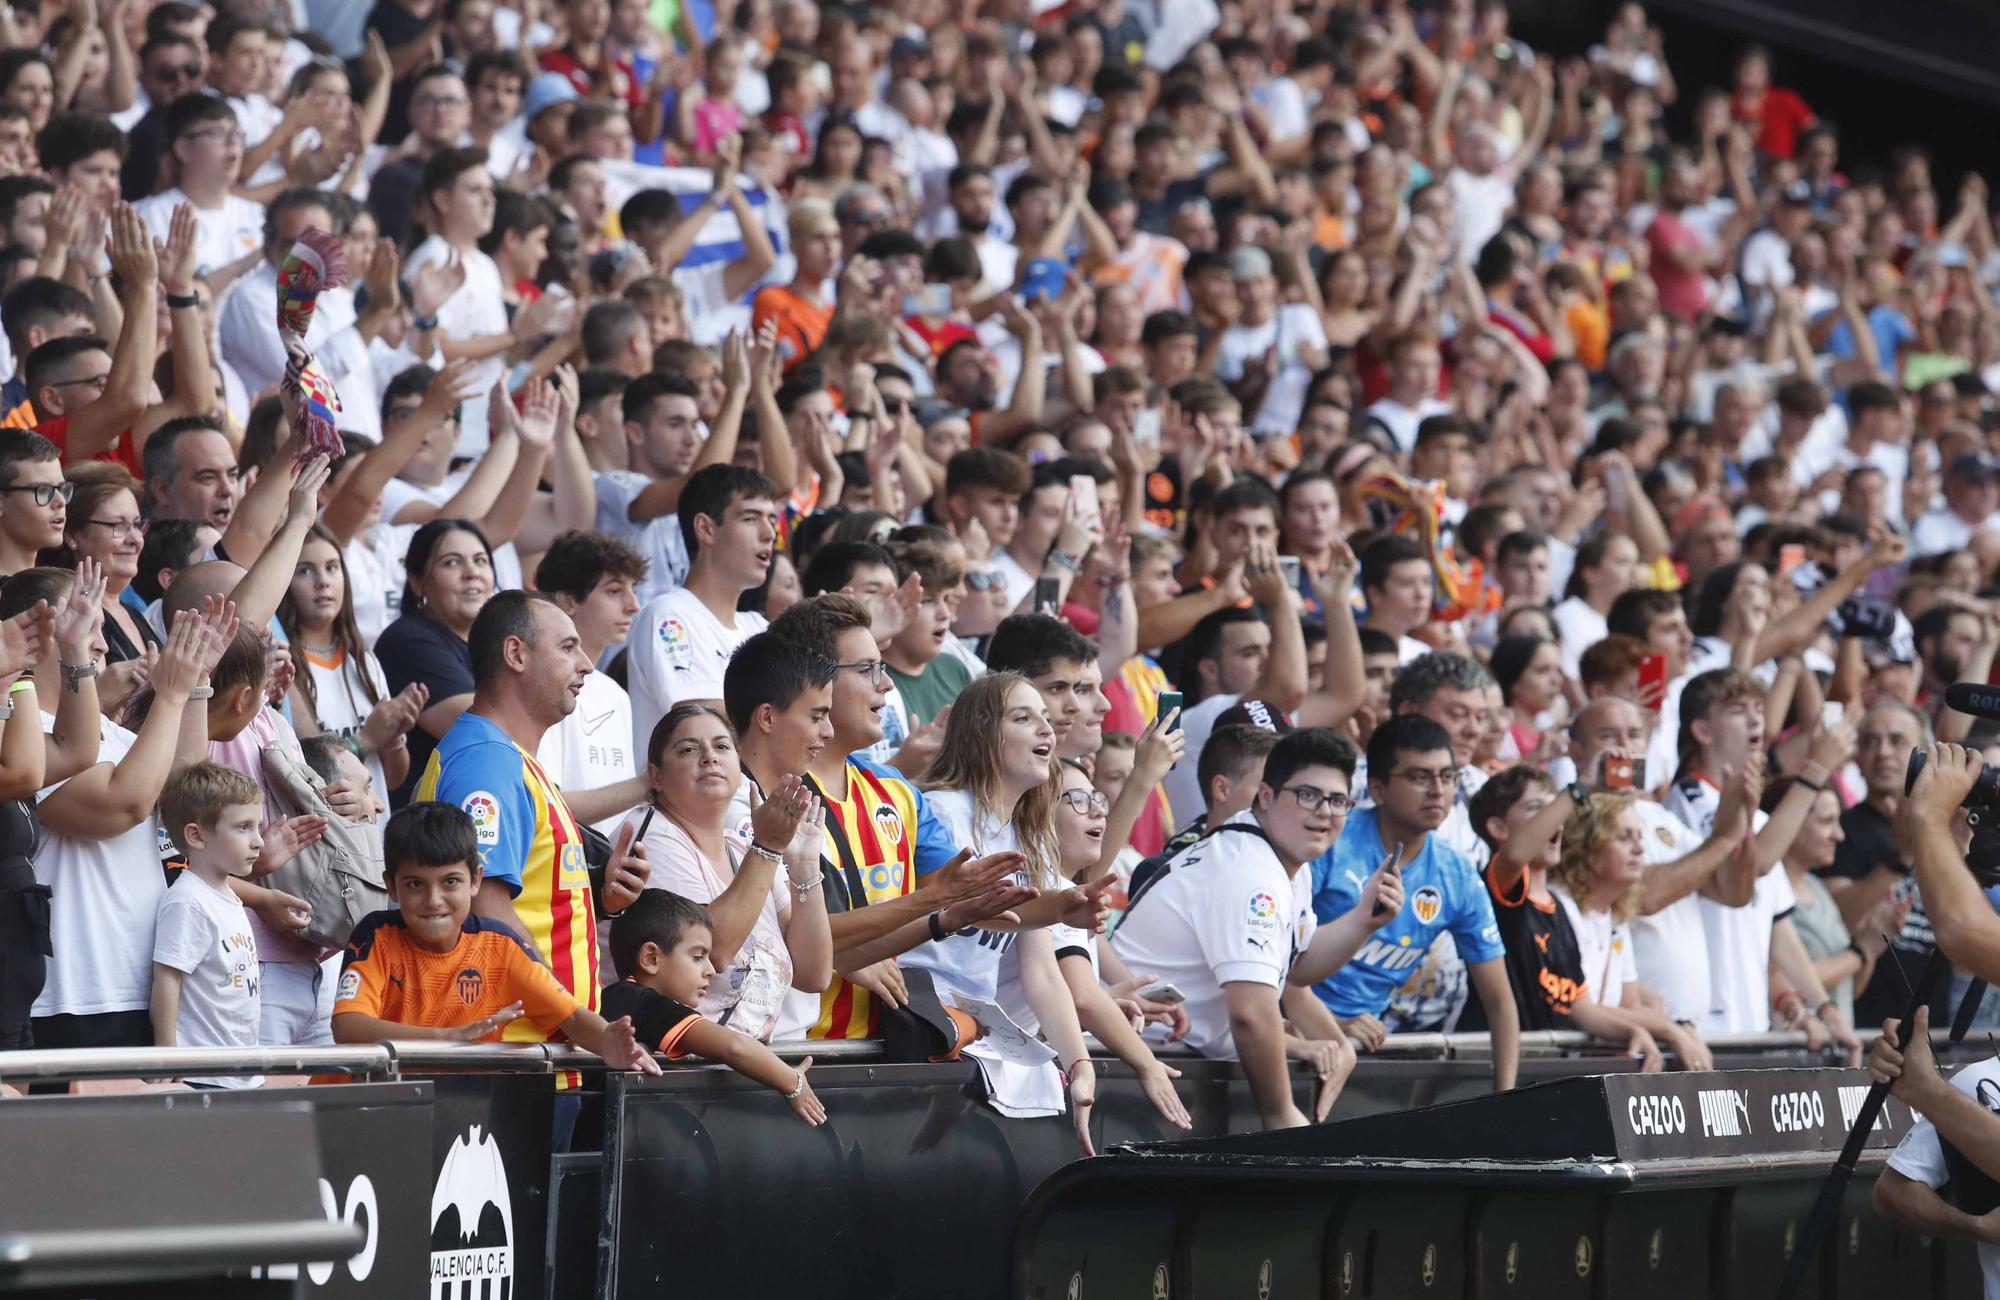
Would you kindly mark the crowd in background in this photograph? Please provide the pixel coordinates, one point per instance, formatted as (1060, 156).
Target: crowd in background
(1258, 525)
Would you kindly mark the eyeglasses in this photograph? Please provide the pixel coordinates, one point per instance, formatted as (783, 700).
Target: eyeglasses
(1311, 800)
(95, 381)
(983, 580)
(226, 134)
(171, 72)
(873, 669)
(45, 493)
(1442, 779)
(120, 529)
(895, 405)
(1086, 801)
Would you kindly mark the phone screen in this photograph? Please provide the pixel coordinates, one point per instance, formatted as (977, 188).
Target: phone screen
(1289, 566)
(1169, 701)
(1083, 491)
(1146, 428)
(1048, 595)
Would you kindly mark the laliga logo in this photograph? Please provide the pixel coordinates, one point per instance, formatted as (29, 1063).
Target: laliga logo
(472, 1223)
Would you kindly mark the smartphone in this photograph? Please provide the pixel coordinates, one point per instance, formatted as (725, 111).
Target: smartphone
(1653, 681)
(645, 824)
(1045, 278)
(1621, 771)
(1831, 714)
(1395, 867)
(1790, 557)
(1289, 565)
(1146, 428)
(1083, 495)
(1166, 993)
(931, 300)
(1048, 596)
(1168, 702)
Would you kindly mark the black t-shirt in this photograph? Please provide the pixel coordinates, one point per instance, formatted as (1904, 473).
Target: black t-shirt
(418, 648)
(1544, 963)
(1871, 843)
(658, 1021)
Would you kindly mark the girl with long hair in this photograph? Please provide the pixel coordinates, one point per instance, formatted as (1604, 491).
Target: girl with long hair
(338, 687)
(770, 931)
(1607, 565)
(995, 786)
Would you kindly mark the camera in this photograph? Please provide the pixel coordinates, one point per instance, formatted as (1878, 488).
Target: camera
(1982, 805)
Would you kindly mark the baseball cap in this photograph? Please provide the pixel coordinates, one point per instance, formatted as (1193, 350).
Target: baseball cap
(909, 47)
(1972, 467)
(545, 91)
(1797, 193)
(1254, 713)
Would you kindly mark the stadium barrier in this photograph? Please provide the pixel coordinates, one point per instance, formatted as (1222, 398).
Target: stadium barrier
(431, 1173)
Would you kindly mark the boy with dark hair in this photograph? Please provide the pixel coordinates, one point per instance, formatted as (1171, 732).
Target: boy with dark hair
(1061, 663)
(588, 754)
(433, 970)
(202, 136)
(34, 499)
(1396, 580)
(205, 972)
(33, 312)
(1412, 778)
(662, 948)
(84, 150)
(986, 484)
(927, 677)
(681, 641)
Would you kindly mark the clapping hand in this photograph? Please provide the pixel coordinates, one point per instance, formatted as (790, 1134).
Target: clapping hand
(774, 818)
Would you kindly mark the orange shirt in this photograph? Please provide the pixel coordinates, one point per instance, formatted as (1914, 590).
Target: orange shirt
(801, 322)
(387, 976)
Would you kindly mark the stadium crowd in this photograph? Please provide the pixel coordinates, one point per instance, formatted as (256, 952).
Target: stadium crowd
(1261, 526)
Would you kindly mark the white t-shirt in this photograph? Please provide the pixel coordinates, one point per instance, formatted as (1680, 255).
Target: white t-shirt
(967, 962)
(1183, 782)
(1939, 531)
(1223, 911)
(677, 651)
(1294, 331)
(204, 933)
(342, 705)
(106, 896)
(1479, 207)
(1580, 627)
(1739, 938)
(659, 540)
(1606, 948)
(223, 235)
(1670, 947)
(1017, 580)
(375, 576)
(1400, 422)
(400, 492)
(1920, 1158)
(477, 310)
(592, 747)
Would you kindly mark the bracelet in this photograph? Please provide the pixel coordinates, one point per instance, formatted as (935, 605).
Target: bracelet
(182, 301)
(1063, 559)
(936, 920)
(1110, 580)
(1816, 787)
(74, 677)
(769, 855)
(1854, 946)
(25, 684)
(204, 691)
(800, 1090)
(7, 708)
(1819, 1011)
(800, 891)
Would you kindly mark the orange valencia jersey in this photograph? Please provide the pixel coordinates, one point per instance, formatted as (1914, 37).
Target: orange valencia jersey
(387, 976)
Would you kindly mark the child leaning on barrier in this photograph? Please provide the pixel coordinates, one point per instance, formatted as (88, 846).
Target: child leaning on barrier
(432, 970)
(660, 945)
(205, 972)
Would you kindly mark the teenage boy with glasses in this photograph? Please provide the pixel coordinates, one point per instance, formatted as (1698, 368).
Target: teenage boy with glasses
(1413, 779)
(34, 498)
(202, 134)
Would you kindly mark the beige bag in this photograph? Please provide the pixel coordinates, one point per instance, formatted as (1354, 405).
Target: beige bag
(340, 877)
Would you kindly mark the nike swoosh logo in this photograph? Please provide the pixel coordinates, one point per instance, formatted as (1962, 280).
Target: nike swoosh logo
(590, 724)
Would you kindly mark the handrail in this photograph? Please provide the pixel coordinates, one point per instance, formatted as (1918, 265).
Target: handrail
(361, 1060)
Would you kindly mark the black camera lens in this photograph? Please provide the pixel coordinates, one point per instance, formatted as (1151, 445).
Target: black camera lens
(1985, 792)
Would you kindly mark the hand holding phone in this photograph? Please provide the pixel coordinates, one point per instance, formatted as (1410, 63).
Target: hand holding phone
(1167, 703)
(1653, 681)
(1389, 893)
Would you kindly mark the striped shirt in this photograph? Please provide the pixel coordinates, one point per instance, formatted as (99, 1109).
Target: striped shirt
(528, 841)
(870, 852)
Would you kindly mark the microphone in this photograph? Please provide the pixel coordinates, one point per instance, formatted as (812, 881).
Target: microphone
(1973, 699)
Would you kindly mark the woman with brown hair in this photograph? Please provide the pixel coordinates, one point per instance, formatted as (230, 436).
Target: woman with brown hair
(104, 525)
(994, 785)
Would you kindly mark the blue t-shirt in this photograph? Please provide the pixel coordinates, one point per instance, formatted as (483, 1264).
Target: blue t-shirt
(935, 845)
(1441, 891)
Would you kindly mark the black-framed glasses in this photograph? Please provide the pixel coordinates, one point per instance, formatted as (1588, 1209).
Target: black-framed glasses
(45, 493)
(1086, 801)
(1443, 779)
(874, 670)
(1311, 800)
(95, 381)
(120, 529)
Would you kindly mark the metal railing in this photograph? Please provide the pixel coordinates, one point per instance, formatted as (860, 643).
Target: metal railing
(383, 1061)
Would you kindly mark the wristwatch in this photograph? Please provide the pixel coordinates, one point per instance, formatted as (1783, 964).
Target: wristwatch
(1579, 794)
(74, 676)
(423, 324)
(1064, 559)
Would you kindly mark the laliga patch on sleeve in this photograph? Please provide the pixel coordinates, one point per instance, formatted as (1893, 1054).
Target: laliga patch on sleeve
(350, 985)
(484, 810)
(1263, 911)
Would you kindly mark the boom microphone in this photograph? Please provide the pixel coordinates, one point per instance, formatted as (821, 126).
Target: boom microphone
(1973, 699)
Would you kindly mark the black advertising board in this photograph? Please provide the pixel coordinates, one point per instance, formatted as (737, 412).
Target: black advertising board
(489, 1186)
(1743, 1112)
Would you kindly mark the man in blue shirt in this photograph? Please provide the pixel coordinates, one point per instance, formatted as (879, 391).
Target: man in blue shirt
(1412, 777)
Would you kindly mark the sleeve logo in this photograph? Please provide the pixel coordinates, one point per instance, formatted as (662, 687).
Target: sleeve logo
(1263, 911)
(350, 985)
(484, 810)
(1426, 903)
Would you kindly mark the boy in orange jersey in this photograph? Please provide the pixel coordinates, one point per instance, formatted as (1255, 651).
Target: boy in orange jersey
(432, 970)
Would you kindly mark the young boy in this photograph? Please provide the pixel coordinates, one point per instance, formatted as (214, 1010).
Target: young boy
(660, 946)
(205, 973)
(432, 970)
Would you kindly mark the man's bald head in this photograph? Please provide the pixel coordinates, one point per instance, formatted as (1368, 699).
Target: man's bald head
(1606, 723)
(197, 583)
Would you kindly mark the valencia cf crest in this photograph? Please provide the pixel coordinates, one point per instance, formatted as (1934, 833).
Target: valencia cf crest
(1427, 903)
(470, 985)
(888, 824)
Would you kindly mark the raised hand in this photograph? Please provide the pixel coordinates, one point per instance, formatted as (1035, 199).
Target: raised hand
(394, 717)
(285, 837)
(302, 501)
(1085, 908)
(383, 278)
(131, 250)
(434, 284)
(626, 874)
(774, 819)
(763, 352)
(24, 639)
(180, 664)
(177, 255)
(541, 407)
(1160, 747)
(802, 862)
(218, 628)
